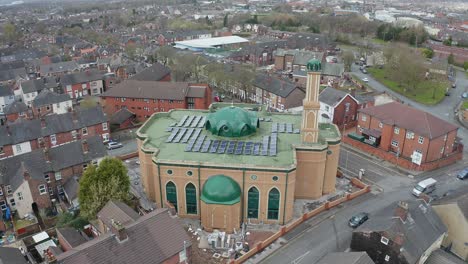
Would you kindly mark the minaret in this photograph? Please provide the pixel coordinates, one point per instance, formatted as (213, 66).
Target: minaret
(309, 130)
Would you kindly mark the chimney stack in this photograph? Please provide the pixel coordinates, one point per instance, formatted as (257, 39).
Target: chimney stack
(119, 231)
(43, 122)
(47, 155)
(26, 174)
(84, 144)
(402, 210)
(74, 115)
(8, 130)
(352, 92)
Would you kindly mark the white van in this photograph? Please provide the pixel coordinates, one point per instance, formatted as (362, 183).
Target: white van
(426, 186)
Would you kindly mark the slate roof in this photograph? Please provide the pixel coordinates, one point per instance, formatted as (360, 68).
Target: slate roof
(71, 236)
(197, 91)
(12, 74)
(153, 238)
(10, 255)
(15, 107)
(439, 256)
(274, 85)
(333, 69)
(26, 130)
(71, 188)
(81, 77)
(117, 211)
(301, 57)
(64, 66)
(12, 65)
(331, 96)
(307, 40)
(156, 72)
(410, 118)
(150, 90)
(420, 230)
(46, 97)
(5, 90)
(346, 258)
(38, 85)
(121, 116)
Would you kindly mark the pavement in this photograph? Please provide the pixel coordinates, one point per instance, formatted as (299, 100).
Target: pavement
(444, 110)
(136, 187)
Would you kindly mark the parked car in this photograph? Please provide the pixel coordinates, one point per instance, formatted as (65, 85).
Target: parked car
(465, 95)
(463, 174)
(454, 85)
(426, 186)
(365, 79)
(114, 145)
(358, 219)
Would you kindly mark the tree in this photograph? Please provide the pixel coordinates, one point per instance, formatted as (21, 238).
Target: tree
(225, 20)
(428, 53)
(10, 33)
(130, 50)
(410, 69)
(102, 183)
(348, 58)
(451, 58)
(165, 54)
(465, 65)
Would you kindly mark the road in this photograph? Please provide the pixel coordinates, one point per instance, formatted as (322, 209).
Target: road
(329, 232)
(443, 110)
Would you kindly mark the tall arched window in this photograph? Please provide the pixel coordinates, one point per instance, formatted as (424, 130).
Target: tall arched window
(171, 194)
(252, 203)
(273, 203)
(191, 198)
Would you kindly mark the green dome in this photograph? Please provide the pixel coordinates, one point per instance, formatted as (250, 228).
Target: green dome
(232, 122)
(221, 189)
(314, 65)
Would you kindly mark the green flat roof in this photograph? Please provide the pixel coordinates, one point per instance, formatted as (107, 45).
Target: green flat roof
(154, 134)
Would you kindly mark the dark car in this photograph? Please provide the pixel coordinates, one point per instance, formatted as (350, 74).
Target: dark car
(463, 174)
(358, 219)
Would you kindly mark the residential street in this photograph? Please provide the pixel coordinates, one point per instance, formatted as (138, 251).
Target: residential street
(444, 109)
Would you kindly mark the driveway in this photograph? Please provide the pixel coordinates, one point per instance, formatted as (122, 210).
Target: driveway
(443, 110)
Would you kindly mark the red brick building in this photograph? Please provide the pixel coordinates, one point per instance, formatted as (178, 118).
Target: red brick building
(80, 84)
(338, 107)
(144, 98)
(397, 130)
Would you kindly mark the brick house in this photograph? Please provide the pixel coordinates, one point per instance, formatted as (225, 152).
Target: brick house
(59, 68)
(407, 133)
(24, 136)
(156, 72)
(30, 180)
(80, 84)
(143, 98)
(28, 90)
(122, 119)
(405, 232)
(17, 110)
(293, 60)
(277, 94)
(153, 238)
(47, 102)
(338, 107)
(260, 54)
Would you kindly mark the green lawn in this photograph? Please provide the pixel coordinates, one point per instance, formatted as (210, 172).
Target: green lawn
(465, 105)
(427, 92)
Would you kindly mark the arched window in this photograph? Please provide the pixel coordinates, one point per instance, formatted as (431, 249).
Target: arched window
(273, 203)
(171, 194)
(252, 203)
(191, 198)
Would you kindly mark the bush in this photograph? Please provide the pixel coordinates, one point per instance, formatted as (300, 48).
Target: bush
(71, 220)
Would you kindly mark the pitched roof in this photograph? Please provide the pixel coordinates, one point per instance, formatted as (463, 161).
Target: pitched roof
(149, 90)
(38, 85)
(156, 72)
(439, 256)
(117, 211)
(63, 66)
(12, 74)
(410, 118)
(71, 188)
(13, 169)
(346, 258)
(71, 236)
(458, 197)
(418, 232)
(10, 255)
(153, 238)
(332, 96)
(197, 91)
(46, 97)
(121, 116)
(332, 69)
(81, 77)
(5, 90)
(15, 107)
(301, 57)
(274, 85)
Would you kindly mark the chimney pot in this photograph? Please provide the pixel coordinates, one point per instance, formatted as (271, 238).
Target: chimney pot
(119, 231)
(85, 146)
(402, 210)
(43, 122)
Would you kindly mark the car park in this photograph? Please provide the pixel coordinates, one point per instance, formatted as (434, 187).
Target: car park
(358, 219)
(114, 145)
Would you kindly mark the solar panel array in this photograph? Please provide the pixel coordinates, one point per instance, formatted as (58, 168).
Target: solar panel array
(188, 130)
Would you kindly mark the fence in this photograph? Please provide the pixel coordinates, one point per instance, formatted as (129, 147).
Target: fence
(306, 216)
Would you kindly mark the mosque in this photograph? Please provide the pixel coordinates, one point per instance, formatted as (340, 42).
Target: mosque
(238, 163)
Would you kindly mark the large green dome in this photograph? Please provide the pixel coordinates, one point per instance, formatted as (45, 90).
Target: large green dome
(232, 122)
(221, 189)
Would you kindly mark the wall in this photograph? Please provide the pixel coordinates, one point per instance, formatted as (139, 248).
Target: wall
(23, 206)
(341, 117)
(457, 227)
(25, 147)
(62, 107)
(310, 173)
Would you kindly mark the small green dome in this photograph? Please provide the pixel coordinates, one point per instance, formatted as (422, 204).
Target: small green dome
(232, 122)
(221, 189)
(314, 65)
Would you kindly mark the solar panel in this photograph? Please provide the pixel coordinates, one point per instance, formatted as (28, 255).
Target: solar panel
(214, 146)
(222, 146)
(239, 147)
(231, 147)
(202, 122)
(189, 147)
(274, 127)
(189, 121)
(188, 134)
(195, 121)
(173, 124)
(168, 129)
(273, 145)
(195, 134)
(173, 134)
(198, 143)
(206, 146)
(297, 131)
(180, 135)
(256, 149)
(181, 123)
(248, 148)
(265, 142)
(281, 127)
(289, 128)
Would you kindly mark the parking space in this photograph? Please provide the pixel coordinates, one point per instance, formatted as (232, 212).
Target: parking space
(136, 186)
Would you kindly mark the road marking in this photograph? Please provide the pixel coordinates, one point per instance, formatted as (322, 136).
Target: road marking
(300, 258)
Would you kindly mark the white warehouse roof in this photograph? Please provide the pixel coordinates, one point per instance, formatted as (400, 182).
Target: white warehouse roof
(210, 42)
